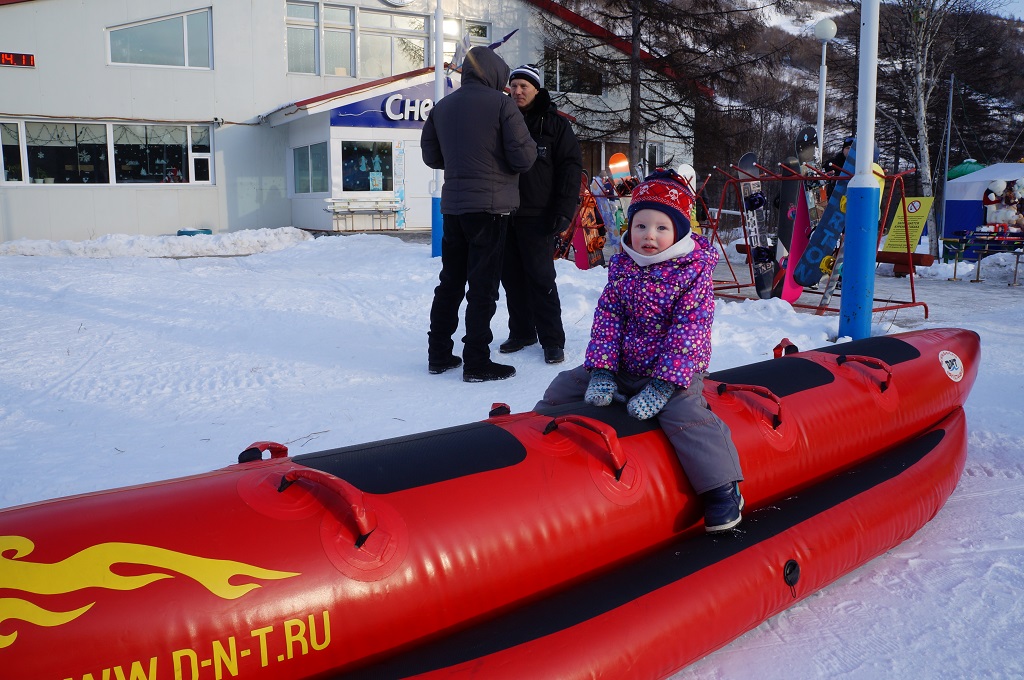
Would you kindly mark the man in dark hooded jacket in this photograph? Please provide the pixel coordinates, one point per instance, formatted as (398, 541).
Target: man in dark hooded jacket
(479, 138)
(548, 195)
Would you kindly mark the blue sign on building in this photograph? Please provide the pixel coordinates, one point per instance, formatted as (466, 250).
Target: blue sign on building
(406, 108)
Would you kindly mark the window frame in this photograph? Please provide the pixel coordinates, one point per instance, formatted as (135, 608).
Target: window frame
(556, 69)
(315, 24)
(293, 187)
(360, 146)
(331, 26)
(183, 17)
(109, 162)
(356, 29)
(452, 39)
(393, 34)
(22, 159)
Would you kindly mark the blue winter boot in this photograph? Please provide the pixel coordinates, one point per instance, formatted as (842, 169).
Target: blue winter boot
(722, 508)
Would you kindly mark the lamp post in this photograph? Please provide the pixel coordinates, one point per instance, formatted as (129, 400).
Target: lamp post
(824, 31)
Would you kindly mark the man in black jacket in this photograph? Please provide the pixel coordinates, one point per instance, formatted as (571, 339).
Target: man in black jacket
(479, 138)
(548, 194)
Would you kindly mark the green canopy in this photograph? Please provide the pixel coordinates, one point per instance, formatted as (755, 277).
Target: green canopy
(967, 167)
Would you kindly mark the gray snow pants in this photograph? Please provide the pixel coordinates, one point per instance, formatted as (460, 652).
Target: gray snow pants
(701, 440)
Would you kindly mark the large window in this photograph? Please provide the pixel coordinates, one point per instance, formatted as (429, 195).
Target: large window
(570, 73)
(469, 33)
(10, 153)
(310, 167)
(303, 29)
(391, 43)
(67, 152)
(367, 166)
(338, 45)
(321, 39)
(181, 40)
(150, 153)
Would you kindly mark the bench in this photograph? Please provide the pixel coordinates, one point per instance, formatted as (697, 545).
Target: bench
(899, 261)
(976, 245)
(382, 212)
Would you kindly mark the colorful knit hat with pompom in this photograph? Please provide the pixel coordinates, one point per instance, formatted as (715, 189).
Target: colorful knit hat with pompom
(666, 191)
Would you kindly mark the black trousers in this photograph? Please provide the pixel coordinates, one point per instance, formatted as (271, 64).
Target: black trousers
(528, 276)
(471, 252)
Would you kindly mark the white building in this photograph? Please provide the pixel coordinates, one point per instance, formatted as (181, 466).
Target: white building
(150, 116)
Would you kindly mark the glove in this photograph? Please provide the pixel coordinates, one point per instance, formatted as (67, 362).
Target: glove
(651, 399)
(601, 389)
(560, 225)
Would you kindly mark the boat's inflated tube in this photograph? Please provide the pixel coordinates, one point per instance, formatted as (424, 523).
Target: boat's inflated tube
(562, 544)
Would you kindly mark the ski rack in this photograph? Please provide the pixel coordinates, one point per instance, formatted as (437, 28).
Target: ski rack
(722, 288)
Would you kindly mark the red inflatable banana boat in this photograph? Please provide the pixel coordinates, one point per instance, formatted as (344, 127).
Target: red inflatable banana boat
(564, 544)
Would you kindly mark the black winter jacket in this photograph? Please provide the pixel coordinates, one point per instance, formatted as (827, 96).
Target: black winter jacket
(552, 186)
(478, 137)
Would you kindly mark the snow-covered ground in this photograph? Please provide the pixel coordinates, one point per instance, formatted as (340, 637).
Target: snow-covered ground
(128, 360)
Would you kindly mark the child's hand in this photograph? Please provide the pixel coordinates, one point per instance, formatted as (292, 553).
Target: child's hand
(601, 389)
(650, 400)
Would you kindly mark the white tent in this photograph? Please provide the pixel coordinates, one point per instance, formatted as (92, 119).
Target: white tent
(964, 210)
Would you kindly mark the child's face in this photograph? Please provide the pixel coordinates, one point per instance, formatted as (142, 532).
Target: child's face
(651, 232)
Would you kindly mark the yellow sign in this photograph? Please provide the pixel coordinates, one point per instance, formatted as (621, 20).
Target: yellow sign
(900, 231)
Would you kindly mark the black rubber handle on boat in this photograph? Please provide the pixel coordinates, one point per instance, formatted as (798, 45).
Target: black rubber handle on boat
(868, 361)
(756, 389)
(608, 435)
(255, 451)
(365, 518)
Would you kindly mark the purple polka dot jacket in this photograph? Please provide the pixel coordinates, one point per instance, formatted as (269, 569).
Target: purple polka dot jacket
(656, 320)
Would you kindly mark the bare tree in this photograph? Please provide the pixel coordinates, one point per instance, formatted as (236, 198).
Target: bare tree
(673, 57)
(918, 44)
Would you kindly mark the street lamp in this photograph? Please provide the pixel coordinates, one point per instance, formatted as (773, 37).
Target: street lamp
(824, 31)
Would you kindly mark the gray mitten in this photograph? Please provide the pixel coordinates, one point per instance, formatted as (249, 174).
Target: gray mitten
(601, 389)
(651, 399)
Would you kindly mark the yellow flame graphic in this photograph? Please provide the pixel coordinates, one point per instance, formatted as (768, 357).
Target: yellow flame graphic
(90, 568)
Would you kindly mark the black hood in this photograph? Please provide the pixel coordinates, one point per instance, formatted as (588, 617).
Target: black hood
(484, 66)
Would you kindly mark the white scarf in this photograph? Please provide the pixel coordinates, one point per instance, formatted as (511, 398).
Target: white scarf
(683, 246)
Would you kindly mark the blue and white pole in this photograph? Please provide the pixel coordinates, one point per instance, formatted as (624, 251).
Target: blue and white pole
(436, 219)
(862, 194)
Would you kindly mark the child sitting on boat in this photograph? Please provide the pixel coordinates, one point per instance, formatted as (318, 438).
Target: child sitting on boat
(650, 343)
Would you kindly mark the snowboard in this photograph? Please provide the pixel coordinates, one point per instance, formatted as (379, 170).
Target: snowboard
(833, 265)
(789, 194)
(618, 164)
(805, 216)
(825, 238)
(583, 240)
(762, 243)
(791, 290)
(814, 189)
(607, 202)
(806, 144)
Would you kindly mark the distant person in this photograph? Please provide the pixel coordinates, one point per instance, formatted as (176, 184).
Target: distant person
(548, 194)
(479, 138)
(650, 343)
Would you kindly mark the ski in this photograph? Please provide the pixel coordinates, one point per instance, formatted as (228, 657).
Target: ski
(762, 243)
